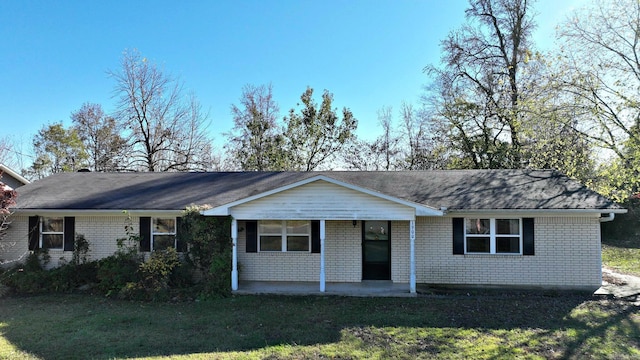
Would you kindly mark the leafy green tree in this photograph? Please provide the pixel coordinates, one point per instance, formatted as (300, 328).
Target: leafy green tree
(256, 141)
(57, 150)
(317, 132)
(101, 137)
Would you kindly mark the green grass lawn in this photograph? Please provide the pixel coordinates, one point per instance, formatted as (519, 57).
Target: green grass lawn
(622, 255)
(445, 327)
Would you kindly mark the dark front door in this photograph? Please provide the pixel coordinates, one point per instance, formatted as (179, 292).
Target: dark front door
(376, 250)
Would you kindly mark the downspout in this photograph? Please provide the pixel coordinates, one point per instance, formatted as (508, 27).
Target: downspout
(608, 218)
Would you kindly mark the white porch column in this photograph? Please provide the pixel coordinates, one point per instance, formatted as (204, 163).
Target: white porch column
(412, 262)
(234, 256)
(322, 275)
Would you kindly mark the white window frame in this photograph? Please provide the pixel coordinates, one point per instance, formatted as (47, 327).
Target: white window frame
(493, 235)
(42, 232)
(283, 236)
(174, 233)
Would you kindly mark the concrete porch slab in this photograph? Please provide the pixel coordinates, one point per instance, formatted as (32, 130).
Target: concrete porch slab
(360, 289)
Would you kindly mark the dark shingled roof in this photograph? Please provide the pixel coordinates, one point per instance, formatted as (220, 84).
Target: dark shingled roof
(453, 189)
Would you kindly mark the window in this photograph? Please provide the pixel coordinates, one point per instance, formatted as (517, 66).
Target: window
(163, 233)
(52, 233)
(493, 236)
(291, 235)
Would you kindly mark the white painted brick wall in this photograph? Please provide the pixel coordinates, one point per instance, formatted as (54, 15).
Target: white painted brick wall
(103, 232)
(15, 246)
(400, 251)
(100, 231)
(567, 254)
(342, 258)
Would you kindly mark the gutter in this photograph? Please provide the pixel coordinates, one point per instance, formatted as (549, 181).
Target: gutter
(608, 218)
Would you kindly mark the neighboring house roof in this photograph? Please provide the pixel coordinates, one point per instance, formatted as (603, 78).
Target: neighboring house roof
(459, 190)
(12, 178)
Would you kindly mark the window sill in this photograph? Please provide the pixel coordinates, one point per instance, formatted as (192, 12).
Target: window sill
(491, 255)
(285, 252)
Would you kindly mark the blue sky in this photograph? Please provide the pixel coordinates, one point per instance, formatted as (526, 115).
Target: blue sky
(54, 55)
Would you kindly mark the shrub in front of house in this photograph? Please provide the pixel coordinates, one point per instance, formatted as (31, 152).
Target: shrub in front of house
(153, 277)
(208, 252)
(125, 274)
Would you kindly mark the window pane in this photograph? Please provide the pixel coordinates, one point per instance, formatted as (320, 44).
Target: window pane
(297, 243)
(164, 226)
(376, 230)
(376, 252)
(508, 245)
(478, 245)
(270, 227)
(163, 242)
(52, 241)
(478, 226)
(270, 243)
(298, 227)
(508, 226)
(52, 225)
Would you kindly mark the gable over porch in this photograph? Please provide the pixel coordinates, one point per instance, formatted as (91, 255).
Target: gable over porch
(315, 200)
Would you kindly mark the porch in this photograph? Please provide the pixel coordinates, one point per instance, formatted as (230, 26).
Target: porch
(324, 232)
(374, 288)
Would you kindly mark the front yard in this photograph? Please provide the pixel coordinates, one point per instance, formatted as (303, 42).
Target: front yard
(453, 326)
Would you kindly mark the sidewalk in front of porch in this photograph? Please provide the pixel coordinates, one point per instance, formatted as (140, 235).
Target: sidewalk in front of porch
(372, 288)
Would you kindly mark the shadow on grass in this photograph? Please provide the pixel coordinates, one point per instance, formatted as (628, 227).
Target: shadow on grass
(79, 327)
(603, 328)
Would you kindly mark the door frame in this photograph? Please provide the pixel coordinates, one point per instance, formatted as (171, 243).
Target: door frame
(388, 262)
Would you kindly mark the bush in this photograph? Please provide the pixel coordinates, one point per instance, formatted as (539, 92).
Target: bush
(70, 277)
(27, 278)
(116, 271)
(128, 276)
(209, 249)
(217, 282)
(154, 276)
(31, 278)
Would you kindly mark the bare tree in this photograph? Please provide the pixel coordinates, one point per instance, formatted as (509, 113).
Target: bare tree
(166, 129)
(600, 70)
(478, 92)
(389, 142)
(7, 200)
(10, 153)
(421, 152)
(601, 53)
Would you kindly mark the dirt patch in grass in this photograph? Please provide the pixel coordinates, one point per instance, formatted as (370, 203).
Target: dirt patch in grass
(611, 279)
